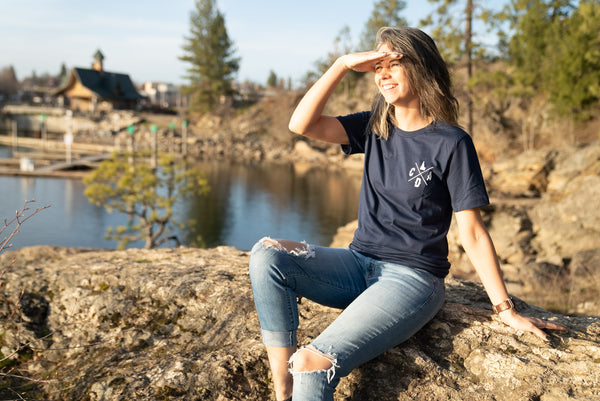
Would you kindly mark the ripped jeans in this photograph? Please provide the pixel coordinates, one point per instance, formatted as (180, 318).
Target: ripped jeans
(383, 305)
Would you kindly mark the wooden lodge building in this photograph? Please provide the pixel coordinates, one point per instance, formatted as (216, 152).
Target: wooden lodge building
(98, 90)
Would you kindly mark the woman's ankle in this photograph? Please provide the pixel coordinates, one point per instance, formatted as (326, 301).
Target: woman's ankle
(283, 392)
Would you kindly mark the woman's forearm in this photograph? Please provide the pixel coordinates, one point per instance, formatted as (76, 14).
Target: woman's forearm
(482, 255)
(307, 117)
(480, 249)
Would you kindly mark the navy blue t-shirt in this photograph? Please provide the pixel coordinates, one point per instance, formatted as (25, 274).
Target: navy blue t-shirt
(411, 184)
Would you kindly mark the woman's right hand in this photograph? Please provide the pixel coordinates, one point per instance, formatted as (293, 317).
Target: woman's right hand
(365, 61)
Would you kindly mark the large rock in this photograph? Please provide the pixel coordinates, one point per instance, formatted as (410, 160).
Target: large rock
(584, 270)
(525, 174)
(549, 219)
(180, 325)
(572, 162)
(567, 222)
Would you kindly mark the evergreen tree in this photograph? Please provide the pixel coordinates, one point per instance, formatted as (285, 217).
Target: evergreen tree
(342, 44)
(385, 13)
(211, 56)
(63, 75)
(449, 27)
(272, 79)
(555, 51)
(9, 84)
(531, 22)
(452, 29)
(574, 61)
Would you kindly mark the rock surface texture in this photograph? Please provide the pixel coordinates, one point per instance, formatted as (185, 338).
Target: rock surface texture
(180, 324)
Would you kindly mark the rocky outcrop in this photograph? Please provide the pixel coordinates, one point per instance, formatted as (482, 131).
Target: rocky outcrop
(179, 324)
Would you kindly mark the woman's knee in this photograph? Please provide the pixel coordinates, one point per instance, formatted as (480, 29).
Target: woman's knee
(261, 251)
(264, 257)
(271, 252)
(283, 245)
(308, 359)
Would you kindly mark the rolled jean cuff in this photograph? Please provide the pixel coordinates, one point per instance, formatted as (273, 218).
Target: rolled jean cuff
(279, 338)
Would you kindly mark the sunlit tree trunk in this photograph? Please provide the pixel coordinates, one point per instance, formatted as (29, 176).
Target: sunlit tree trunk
(469, 56)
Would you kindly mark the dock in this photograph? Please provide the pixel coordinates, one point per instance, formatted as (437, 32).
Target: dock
(48, 158)
(77, 168)
(54, 145)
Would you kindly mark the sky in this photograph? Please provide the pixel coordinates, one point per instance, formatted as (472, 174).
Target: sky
(143, 38)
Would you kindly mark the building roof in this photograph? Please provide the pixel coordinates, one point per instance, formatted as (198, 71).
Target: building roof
(106, 85)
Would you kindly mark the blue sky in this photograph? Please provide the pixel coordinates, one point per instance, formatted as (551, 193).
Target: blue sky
(144, 37)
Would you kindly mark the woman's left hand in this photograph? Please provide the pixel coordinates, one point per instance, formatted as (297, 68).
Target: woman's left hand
(530, 324)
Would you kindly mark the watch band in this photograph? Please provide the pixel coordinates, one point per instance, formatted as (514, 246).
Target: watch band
(505, 305)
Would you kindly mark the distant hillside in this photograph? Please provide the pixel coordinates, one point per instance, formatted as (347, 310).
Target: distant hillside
(502, 127)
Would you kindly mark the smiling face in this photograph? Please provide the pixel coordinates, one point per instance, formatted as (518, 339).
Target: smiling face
(392, 81)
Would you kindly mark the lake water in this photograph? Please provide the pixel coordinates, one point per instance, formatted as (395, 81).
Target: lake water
(245, 203)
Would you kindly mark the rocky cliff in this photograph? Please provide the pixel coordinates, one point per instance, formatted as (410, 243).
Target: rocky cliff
(179, 324)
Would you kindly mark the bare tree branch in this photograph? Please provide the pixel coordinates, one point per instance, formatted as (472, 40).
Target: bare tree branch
(20, 218)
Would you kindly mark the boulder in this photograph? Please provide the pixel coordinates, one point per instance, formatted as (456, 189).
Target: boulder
(180, 324)
(523, 175)
(584, 269)
(569, 221)
(304, 151)
(542, 217)
(571, 162)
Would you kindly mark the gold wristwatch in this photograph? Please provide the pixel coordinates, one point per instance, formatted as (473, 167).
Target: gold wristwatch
(506, 305)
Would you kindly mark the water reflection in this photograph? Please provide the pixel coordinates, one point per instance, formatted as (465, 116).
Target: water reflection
(70, 221)
(245, 203)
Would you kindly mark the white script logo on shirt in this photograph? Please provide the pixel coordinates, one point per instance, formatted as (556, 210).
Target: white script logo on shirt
(420, 174)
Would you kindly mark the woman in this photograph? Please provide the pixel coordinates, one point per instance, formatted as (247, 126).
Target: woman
(420, 167)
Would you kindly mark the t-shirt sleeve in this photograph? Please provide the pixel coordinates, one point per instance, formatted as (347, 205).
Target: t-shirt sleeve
(465, 180)
(356, 128)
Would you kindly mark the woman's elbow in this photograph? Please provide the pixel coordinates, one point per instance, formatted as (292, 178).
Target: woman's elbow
(297, 127)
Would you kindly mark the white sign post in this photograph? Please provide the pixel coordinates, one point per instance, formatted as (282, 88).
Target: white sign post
(44, 129)
(15, 135)
(69, 134)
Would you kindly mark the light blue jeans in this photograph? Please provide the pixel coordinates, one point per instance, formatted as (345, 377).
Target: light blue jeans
(383, 305)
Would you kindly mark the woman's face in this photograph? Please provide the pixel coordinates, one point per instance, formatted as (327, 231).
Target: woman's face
(392, 81)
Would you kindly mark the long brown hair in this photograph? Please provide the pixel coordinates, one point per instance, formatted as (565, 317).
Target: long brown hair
(428, 76)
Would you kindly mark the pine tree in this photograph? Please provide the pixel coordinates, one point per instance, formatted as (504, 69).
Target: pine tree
(574, 59)
(385, 13)
(211, 55)
(555, 51)
(342, 44)
(532, 23)
(452, 29)
(272, 79)
(9, 84)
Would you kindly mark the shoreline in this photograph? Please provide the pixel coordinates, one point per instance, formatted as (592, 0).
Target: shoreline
(87, 155)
